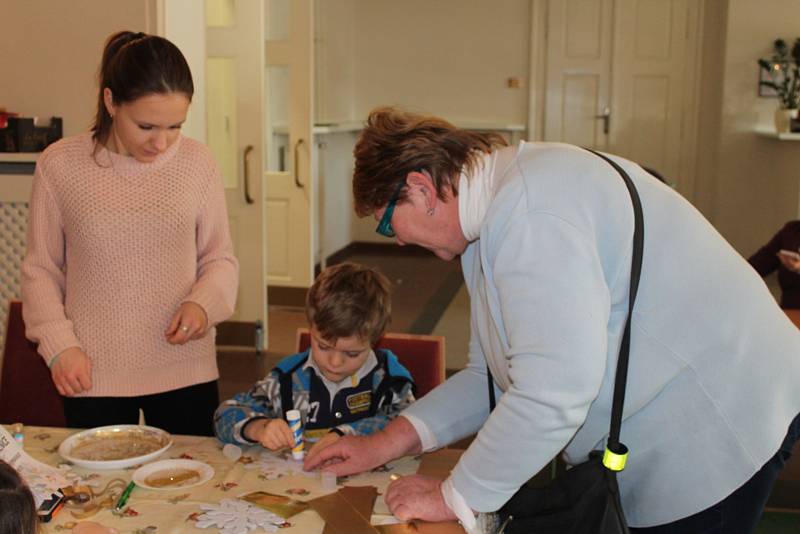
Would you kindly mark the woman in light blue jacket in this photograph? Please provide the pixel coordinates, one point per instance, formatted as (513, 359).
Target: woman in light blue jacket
(544, 232)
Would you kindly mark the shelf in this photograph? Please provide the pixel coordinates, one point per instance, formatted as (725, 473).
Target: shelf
(337, 127)
(19, 157)
(356, 126)
(490, 126)
(763, 131)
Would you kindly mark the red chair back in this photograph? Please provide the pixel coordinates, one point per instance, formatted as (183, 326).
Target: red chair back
(27, 392)
(422, 355)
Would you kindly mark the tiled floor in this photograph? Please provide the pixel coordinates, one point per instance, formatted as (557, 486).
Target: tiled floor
(429, 298)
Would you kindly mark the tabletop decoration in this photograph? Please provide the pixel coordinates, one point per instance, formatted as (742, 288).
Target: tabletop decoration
(232, 516)
(277, 465)
(280, 505)
(178, 498)
(226, 486)
(125, 512)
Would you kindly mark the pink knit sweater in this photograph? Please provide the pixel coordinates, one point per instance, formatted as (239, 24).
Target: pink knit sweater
(114, 247)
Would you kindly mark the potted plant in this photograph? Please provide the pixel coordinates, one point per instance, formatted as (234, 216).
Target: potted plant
(783, 76)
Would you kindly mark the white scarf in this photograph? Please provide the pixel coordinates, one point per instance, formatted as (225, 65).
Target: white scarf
(476, 191)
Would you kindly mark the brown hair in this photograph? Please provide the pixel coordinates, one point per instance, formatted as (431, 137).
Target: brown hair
(349, 299)
(136, 65)
(17, 507)
(395, 143)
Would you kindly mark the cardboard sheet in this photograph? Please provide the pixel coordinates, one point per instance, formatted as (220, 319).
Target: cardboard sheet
(348, 510)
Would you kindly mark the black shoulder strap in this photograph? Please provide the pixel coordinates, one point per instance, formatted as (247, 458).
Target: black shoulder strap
(624, 350)
(285, 379)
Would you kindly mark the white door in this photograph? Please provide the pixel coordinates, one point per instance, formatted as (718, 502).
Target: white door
(578, 72)
(617, 78)
(648, 76)
(290, 186)
(235, 89)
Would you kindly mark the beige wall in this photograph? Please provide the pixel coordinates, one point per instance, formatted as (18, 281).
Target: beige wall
(752, 181)
(50, 52)
(447, 57)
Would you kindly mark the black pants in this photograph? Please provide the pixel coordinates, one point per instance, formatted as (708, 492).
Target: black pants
(188, 410)
(740, 511)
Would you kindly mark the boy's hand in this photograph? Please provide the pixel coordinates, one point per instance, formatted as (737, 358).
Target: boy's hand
(273, 434)
(329, 439)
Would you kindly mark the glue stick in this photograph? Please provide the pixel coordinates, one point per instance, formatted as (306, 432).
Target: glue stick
(296, 426)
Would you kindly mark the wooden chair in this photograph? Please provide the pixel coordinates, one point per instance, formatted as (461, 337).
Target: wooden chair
(422, 355)
(27, 392)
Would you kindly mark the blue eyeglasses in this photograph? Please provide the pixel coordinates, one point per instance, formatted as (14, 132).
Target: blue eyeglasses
(385, 225)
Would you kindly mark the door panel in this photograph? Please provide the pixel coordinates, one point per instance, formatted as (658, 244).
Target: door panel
(578, 66)
(627, 58)
(580, 95)
(291, 192)
(648, 82)
(235, 63)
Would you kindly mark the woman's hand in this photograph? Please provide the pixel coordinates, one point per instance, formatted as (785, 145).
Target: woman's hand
(418, 497)
(72, 372)
(273, 434)
(189, 322)
(329, 439)
(356, 454)
(349, 455)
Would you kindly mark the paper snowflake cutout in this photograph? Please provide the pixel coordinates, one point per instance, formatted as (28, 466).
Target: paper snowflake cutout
(275, 465)
(233, 516)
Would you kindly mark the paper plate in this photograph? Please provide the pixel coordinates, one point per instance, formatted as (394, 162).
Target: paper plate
(115, 446)
(179, 469)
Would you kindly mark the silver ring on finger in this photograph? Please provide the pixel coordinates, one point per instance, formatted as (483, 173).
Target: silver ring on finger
(184, 328)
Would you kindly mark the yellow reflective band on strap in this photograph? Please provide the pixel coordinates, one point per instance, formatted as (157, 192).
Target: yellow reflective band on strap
(614, 461)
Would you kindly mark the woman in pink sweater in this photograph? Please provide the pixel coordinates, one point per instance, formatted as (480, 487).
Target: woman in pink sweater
(129, 263)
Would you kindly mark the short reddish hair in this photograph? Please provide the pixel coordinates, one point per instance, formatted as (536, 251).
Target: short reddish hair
(395, 143)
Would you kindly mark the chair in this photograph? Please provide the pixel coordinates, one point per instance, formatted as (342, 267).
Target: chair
(27, 392)
(422, 355)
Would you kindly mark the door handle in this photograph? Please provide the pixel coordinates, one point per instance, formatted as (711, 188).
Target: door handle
(247, 197)
(606, 116)
(296, 169)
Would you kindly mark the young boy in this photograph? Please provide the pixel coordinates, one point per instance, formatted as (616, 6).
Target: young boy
(340, 385)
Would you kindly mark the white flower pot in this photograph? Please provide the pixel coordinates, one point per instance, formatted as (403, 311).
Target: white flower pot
(782, 119)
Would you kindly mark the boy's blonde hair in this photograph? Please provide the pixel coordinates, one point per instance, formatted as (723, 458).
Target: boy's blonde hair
(349, 299)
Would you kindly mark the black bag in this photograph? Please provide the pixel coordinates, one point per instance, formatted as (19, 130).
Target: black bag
(585, 499)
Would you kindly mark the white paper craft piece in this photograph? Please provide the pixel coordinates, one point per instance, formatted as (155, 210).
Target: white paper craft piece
(232, 516)
(42, 479)
(277, 465)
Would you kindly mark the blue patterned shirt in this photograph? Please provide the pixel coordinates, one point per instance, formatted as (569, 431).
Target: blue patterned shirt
(359, 405)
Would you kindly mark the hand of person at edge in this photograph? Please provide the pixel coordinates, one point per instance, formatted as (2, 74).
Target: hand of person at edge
(189, 322)
(72, 372)
(418, 497)
(790, 263)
